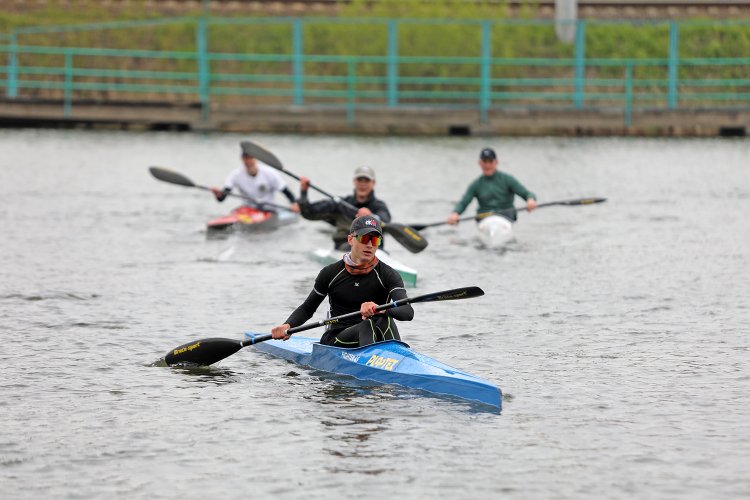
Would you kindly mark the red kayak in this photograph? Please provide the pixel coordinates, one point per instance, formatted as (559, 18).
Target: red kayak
(246, 218)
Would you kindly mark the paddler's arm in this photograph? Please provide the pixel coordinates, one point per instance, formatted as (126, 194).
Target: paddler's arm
(320, 210)
(221, 194)
(401, 313)
(309, 306)
(393, 282)
(299, 316)
(524, 193)
(462, 204)
(294, 207)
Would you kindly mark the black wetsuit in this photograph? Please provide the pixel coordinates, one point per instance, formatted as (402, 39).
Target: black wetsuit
(339, 215)
(346, 293)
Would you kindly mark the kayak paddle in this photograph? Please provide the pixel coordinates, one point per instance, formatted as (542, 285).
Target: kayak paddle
(406, 235)
(208, 351)
(173, 177)
(570, 203)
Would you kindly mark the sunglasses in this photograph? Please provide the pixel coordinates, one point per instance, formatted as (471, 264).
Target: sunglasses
(375, 238)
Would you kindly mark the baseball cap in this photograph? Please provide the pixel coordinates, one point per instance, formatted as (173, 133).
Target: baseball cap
(365, 224)
(364, 172)
(487, 154)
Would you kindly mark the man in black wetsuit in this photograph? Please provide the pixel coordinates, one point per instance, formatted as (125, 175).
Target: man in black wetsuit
(358, 282)
(341, 216)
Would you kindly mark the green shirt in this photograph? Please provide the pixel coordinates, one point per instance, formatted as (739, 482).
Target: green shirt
(494, 193)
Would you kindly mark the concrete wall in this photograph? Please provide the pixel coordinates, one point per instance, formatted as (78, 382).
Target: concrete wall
(383, 121)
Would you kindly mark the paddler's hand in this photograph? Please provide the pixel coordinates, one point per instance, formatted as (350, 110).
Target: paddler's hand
(217, 193)
(279, 332)
(363, 211)
(294, 207)
(452, 219)
(304, 183)
(530, 204)
(368, 309)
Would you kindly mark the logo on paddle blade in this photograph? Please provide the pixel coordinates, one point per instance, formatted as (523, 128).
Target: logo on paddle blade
(411, 233)
(186, 348)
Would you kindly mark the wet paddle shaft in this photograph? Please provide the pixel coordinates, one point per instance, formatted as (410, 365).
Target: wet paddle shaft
(209, 351)
(569, 203)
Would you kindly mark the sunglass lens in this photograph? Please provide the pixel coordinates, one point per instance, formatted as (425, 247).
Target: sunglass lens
(367, 238)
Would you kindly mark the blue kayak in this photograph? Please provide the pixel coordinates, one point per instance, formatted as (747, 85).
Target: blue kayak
(390, 362)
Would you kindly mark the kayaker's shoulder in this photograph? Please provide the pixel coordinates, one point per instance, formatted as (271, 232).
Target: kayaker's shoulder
(333, 269)
(388, 272)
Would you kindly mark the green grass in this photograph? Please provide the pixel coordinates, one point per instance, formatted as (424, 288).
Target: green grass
(424, 30)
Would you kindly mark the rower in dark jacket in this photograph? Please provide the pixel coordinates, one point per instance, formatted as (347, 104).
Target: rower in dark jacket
(338, 214)
(357, 282)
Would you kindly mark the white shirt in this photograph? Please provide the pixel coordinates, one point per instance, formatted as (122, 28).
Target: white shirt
(261, 188)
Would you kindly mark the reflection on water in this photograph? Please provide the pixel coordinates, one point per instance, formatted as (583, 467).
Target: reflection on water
(341, 388)
(203, 374)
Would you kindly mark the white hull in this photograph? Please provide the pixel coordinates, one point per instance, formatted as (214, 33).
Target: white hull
(408, 274)
(495, 231)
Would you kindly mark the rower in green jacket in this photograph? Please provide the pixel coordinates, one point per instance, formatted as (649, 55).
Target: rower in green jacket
(494, 190)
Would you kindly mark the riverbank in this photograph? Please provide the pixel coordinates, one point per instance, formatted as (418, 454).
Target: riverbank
(424, 71)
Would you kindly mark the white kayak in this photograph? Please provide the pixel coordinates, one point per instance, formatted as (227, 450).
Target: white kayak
(408, 274)
(495, 231)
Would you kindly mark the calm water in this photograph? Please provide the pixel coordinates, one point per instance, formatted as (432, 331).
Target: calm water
(618, 332)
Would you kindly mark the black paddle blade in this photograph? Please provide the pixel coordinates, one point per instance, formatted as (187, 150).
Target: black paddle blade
(468, 292)
(407, 236)
(170, 176)
(261, 154)
(203, 352)
(583, 201)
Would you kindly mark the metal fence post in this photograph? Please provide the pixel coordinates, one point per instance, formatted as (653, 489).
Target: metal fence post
(392, 62)
(68, 87)
(628, 94)
(203, 66)
(351, 83)
(580, 62)
(298, 67)
(12, 89)
(674, 64)
(486, 72)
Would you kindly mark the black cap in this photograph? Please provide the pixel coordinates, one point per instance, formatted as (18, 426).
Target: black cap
(366, 224)
(487, 154)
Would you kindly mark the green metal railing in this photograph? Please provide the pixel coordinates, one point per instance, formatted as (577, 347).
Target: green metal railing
(356, 81)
